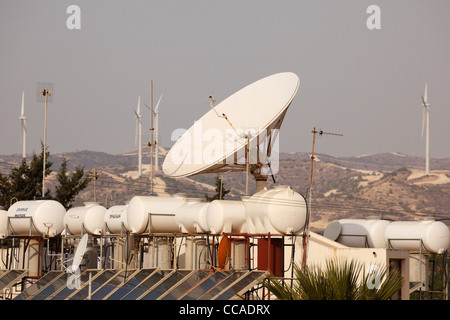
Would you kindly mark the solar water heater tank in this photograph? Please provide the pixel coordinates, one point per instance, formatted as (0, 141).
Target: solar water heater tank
(115, 219)
(154, 214)
(36, 217)
(428, 234)
(89, 218)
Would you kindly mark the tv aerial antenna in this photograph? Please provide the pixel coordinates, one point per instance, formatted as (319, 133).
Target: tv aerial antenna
(308, 218)
(138, 135)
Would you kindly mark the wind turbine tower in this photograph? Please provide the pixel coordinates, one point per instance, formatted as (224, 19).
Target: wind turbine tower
(426, 114)
(138, 137)
(23, 127)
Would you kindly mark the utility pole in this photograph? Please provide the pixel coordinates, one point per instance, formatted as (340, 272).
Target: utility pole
(46, 93)
(308, 218)
(95, 176)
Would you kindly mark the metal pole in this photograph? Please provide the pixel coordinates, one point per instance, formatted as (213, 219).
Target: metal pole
(45, 92)
(151, 137)
(306, 233)
(246, 165)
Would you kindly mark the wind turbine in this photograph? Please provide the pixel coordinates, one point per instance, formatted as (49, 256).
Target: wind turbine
(426, 113)
(155, 114)
(23, 127)
(138, 134)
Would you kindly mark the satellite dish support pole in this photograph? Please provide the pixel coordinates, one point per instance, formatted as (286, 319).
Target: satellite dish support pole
(246, 165)
(151, 137)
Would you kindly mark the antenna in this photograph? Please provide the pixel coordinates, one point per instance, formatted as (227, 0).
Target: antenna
(426, 114)
(139, 134)
(224, 116)
(44, 93)
(308, 218)
(23, 127)
(79, 253)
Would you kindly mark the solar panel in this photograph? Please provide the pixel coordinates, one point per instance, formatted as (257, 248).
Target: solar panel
(187, 284)
(41, 283)
(113, 283)
(96, 283)
(142, 284)
(165, 284)
(222, 285)
(148, 283)
(130, 284)
(9, 278)
(65, 291)
(205, 285)
(51, 287)
(240, 286)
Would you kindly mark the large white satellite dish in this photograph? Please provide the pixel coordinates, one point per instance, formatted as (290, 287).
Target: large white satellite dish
(217, 141)
(79, 253)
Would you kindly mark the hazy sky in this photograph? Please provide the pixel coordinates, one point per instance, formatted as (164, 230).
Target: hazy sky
(366, 84)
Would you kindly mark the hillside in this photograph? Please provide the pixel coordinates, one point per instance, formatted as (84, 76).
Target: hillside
(391, 185)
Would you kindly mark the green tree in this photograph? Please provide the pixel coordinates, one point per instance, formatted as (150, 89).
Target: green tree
(25, 182)
(69, 187)
(220, 191)
(347, 280)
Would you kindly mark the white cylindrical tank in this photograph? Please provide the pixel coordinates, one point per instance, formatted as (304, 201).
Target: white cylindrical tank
(89, 218)
(410, 235)
(3, 223)
(115, 219)
(361, 233)
(280, 210)
(191, 216)
(160, 210)
(47, 217)
(226, 216)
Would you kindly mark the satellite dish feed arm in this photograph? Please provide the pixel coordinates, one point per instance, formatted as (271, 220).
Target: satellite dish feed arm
(224, 116)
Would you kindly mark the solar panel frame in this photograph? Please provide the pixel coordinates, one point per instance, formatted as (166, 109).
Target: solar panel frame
(149, 283)
(38, 285)
(124, 289)
(165, 284)
(112, 284)
(240, 286)
(205, 285)
(180, 289)
(225, 283)
(96, 283)
(11, 277)
(64, 292)
(51, 288)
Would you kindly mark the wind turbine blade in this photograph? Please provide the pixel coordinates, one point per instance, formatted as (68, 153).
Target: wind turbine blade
(425, 96)
(22, 112)
(157, 105)
(139, 106)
